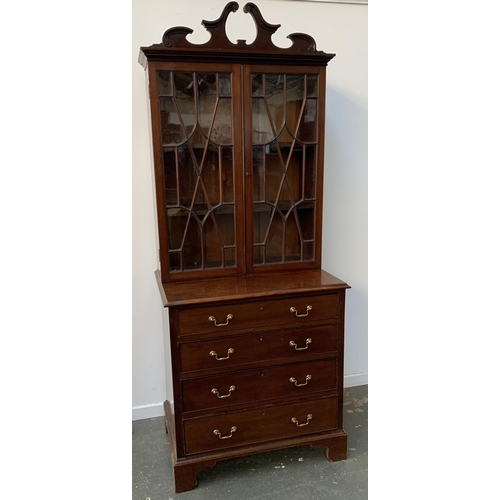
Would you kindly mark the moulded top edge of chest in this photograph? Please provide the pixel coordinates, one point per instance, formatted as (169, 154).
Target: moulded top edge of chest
(248, 287)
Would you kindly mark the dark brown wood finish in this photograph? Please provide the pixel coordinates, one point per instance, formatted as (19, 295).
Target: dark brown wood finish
(226, 319)
(249, 287)
(254, 351)
(269, 383)
(317, 173)
(271, 423)
(219, 353)
(219, 48)
(179, 67)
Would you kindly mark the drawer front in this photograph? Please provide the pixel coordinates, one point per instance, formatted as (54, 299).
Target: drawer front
(297, 379)
(265, 424)
(293, 344)
(227, 318)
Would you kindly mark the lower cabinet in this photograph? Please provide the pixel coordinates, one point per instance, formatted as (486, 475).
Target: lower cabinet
(254, 374)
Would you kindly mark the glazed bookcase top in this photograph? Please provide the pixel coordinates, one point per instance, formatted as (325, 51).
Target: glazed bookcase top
(238, 140)
(175, 46)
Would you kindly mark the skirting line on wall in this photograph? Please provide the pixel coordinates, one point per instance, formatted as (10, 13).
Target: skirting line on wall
(355, 379)
(156, 410)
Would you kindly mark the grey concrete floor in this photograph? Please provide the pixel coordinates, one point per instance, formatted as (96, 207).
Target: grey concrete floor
(294, 473)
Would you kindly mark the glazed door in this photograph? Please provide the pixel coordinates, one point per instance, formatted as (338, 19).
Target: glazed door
(284, 121)
(196, 116)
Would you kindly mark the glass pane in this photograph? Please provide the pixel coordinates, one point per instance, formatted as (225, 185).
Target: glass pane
(210, 174)
(224, 217)
(292, 188)
(258, 254)
(309, 250)
(184, 99)
(184, 85)
(213, 246)
(170, 172)
(273, 173)
(207, 83)
(261, 218)
(227, 175)
(307, 128)
(175, 261)
(224, 84)
(284, 113)
(258, 173)
(310, 172)
(230, 257)
(262, 131)
(191, 251)
(274, 243)
(219, 234)
(172, 131)
(199, 172)
(312, 85)
(222, 130)
(207, 98)
(177, 220)
(275, 99)
(257, 87)
(292, 247)
(294, 87)
(164, 86)
(305, 212)
(188, 159)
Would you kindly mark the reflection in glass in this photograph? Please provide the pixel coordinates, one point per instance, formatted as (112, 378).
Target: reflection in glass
(292, 247)
(184, 99)
(164, 84)
(308, 250)
(207, 100)
(210, 174)
(172, 131)
(274, 244)
(222, 130)
(170, 176)
(191, 251)
(226, 156)
(262, 130)
(224, 84)
(306, 218)
(257, 86)
(309, 169)
(175, 261)
(258, 173)
(213, 249)
(307, 128)
(312, 85)
(229, 257)
(261, 217)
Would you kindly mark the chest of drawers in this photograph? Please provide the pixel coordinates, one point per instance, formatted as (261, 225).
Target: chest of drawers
(254, 363)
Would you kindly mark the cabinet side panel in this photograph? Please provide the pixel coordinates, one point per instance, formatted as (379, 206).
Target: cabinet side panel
(320, 162)
(158, 177)
(340, 366)
(168, 356)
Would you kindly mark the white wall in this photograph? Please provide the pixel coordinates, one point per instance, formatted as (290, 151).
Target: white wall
(337, 28)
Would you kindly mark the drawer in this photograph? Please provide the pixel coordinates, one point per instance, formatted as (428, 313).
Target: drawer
(297, 379)
(290, 344)
(264, 424)
(227, 318)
